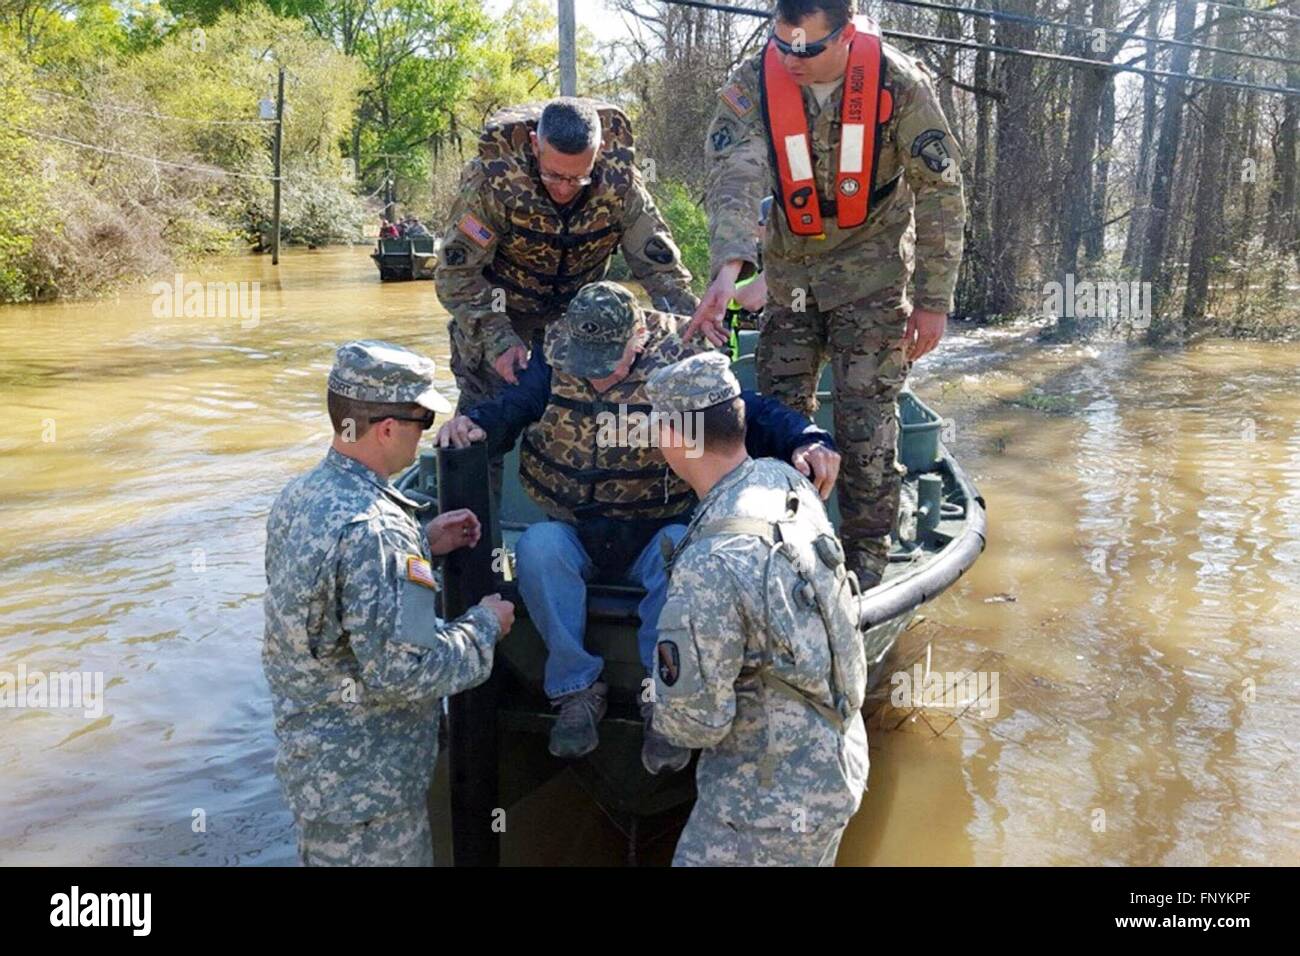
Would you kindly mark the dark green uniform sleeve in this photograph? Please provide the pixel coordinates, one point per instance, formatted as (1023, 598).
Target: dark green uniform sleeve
(469, 245)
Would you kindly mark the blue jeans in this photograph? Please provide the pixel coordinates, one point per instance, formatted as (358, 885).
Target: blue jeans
(553, 569)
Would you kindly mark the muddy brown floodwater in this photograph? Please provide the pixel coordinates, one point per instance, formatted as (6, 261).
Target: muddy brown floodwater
(1137, 603)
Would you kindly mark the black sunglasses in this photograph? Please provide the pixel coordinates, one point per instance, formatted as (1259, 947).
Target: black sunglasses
(807, 51)
(425, 421)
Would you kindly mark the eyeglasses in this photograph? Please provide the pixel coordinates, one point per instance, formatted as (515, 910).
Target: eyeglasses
(425, 421)
(806, 51)
(555, 179)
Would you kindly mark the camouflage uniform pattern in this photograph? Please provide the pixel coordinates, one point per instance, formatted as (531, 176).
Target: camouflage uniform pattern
(845, 297)
(639, 483)
(354, 653)
(506, 234)
(693, 384)
(399, 839)
(777, 783)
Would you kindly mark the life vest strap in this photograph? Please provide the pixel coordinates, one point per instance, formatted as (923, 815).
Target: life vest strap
(865, 106)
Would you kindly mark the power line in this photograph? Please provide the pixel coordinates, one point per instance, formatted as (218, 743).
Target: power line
(1084, 28)
(1268, 13)
(210, 170)
(161, 116)
(1032, 54)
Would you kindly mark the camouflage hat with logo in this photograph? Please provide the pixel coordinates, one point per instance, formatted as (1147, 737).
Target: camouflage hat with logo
(599, 322)
(693, 384)
(380, 372)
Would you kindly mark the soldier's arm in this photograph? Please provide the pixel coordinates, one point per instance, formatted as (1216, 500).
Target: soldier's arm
(651, 254)
(931, 161)
(699, 654)
(514, 407)
(405, 651)
(739, 176)
(774, 431)
(474, 230)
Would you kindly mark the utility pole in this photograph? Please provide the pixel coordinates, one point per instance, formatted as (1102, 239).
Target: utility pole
(568, 50)
(279, 140)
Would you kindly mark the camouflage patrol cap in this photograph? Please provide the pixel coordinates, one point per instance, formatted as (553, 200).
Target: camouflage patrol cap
(380, 372)
(693, 384)
(599, 322)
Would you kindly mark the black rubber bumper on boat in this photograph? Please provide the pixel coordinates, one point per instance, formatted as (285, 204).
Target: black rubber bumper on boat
(897, 597)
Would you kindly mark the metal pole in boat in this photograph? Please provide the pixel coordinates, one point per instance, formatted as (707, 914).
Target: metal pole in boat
(472, 741)
(279, 140)
(568, 50)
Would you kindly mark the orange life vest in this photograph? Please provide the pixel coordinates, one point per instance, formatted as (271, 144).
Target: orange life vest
(867, 105)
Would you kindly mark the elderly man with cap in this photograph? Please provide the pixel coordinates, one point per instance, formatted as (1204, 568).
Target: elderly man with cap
(759, 658)
(355, 654)
(589, 461)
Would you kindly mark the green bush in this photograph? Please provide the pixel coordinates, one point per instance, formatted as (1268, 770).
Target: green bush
(690, 228)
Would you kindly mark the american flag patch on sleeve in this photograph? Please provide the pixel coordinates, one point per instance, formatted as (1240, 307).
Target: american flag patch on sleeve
(478, 233)
(419, 571)
(737, 99)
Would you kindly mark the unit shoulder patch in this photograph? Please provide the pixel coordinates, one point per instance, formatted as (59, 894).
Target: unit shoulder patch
(930, 147)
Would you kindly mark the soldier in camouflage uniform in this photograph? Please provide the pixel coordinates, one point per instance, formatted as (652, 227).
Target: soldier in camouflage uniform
(609, 495)
(843, 296)
(551, 195)
(355, 654)
(769, 684)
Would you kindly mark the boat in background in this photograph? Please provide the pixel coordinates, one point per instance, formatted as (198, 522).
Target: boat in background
(402, 259)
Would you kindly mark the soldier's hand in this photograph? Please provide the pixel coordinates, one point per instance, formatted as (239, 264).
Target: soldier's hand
(924, 330)
(752, 297)
(511, 360)
(452, 530)
(820, 465)
(708, 314)
(459, 433)
(503, 609)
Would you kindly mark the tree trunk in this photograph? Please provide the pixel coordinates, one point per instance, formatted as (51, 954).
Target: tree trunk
(1017, 159)
(1213, 180)
(1171, 128)
(1137, 224)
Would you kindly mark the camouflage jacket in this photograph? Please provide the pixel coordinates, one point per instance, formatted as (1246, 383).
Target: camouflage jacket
(768, 760)
(918, 225)
(355, 654)
(574, 456)
(510, 255)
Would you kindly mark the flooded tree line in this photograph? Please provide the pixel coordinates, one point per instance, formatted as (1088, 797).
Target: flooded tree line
(1167, 203)
(1152, 195)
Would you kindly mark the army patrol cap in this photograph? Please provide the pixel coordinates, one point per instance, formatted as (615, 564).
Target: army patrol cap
(599, 322)
(693, 384)
(380, 372)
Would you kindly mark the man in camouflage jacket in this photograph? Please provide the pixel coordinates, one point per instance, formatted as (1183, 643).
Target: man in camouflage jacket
(870, 299)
